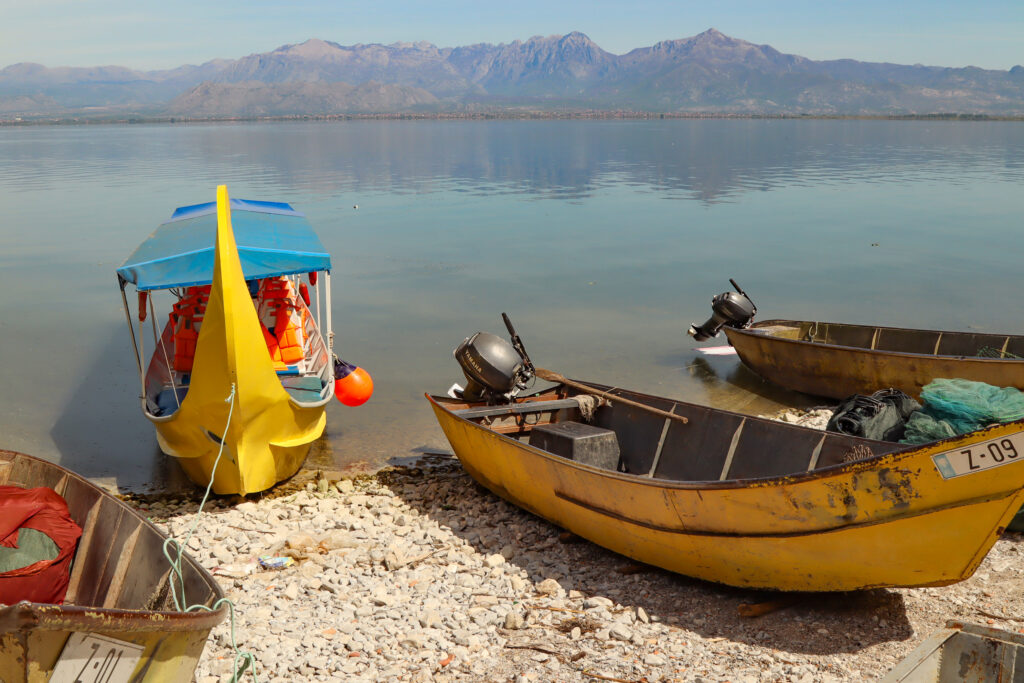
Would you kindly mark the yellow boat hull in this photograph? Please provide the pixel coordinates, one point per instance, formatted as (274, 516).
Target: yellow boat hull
(781, 351)
(236, 407)
(891, 520)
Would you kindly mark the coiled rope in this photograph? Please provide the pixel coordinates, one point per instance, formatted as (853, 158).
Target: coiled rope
(243, 660)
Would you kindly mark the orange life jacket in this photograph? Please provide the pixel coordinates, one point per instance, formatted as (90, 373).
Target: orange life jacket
(273, 348)
(185, 338)
(288, 335)
(186, 316)
(279, 308)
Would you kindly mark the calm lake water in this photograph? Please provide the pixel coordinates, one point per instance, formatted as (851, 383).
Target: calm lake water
(603, 240)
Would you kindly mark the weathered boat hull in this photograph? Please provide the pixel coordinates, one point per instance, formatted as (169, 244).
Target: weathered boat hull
(963, 653)
(119, 588)
(889, 520)
(841, 362)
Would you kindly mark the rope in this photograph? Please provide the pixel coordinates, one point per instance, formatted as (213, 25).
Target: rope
(588, 405)
(243, 660)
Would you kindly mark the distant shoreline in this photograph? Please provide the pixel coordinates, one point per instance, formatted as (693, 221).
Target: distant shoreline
(486, 116)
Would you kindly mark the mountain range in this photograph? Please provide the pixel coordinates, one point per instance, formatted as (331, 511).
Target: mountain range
(708, 73)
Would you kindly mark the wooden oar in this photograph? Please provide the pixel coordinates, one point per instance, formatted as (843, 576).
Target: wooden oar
(551, 376)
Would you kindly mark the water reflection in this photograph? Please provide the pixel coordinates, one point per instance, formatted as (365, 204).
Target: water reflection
(93, 429)
(707, 160)
(602, 239)
(732, 386)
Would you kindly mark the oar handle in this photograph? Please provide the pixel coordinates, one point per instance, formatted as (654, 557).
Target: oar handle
(551, 376)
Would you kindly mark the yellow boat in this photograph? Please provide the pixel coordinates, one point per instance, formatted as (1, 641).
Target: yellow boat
(218, 379)
(837, 360)
(740, 500)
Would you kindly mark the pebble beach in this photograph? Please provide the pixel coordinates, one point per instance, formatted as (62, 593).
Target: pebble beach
(419, 574)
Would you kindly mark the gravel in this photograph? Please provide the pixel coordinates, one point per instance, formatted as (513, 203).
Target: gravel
(418, 574)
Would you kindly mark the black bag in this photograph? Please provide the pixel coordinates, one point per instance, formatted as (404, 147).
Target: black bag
(882, 416)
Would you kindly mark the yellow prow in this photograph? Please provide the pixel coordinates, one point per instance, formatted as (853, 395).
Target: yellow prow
(268, 435)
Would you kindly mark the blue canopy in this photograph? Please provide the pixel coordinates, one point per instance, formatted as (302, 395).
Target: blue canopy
(272, 237)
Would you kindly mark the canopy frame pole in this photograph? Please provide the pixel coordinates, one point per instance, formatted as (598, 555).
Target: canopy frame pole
(131, 329)
(316, 293)
(159, 341)
(142, 353)
(327, 305)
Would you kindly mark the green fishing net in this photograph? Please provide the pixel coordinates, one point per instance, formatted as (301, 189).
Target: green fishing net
(993, 352)
(959, 406)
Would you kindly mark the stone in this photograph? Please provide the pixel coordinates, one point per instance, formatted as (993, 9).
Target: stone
(222, 554)
(300, 541)
(597, 601)
(430, 619)
(549, 587)
(514, 620)
(621, 632)
(336, 539)
(412, 641)
(381, 597)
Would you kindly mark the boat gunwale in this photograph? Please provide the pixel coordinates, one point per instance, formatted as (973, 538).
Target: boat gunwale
(36, 616)
(26, 615)
(750, 333)
(866, 464)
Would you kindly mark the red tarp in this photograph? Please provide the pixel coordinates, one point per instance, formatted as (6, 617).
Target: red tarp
(44, 510)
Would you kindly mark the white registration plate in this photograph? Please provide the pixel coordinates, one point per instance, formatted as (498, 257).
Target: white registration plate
(980, 456)
(92, 658)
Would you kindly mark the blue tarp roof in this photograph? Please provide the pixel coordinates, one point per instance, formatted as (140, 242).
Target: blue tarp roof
(272, 238)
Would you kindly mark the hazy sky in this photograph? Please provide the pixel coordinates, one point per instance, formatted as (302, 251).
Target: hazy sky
(153, 35)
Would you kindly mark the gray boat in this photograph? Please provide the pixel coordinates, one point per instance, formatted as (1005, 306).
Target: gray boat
(963, 653)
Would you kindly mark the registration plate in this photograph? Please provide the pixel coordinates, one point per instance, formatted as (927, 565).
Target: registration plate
(980, 456)
(92, 658)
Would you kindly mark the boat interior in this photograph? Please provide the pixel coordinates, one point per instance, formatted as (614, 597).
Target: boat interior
(896, 340)
(119, 562)
(713, 445)
(290, 330)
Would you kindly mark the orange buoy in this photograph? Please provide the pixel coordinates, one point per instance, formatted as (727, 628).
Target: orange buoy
(312, 278)
(304, 292)
(143, 298)
(353, 386)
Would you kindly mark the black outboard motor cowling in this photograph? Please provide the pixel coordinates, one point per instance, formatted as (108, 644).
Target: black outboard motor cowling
(490, 365)
(495, 370)
(734, 309)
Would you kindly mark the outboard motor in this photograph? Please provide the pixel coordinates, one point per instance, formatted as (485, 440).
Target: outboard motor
(495, 370)
(734, 309)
